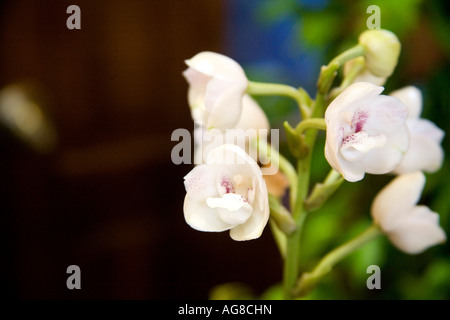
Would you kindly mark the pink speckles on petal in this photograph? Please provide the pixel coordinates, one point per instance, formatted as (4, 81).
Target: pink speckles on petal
(225, 185)
(195, 182)
(348, 139)
(359, 120)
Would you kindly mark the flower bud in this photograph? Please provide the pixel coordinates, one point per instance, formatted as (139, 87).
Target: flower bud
(382, 49)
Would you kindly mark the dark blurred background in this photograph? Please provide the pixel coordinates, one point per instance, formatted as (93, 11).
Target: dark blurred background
(107, 197)
(104, 195)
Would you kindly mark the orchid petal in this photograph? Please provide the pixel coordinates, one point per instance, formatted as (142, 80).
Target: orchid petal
(412, 98)
(200, 182)
(252, 228)
(224, 110)
(234, 209)
(201, 217)
(252, 116)
(217, 84)
(357, 145)
(218, 66)
(425, 152)
(396, 199)
(418, 231)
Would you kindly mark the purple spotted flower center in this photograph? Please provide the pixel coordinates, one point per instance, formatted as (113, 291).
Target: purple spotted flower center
(227, 184)
(357, 124)
(359, 120)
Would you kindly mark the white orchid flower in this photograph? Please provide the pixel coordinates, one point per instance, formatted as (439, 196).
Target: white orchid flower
(253, 123)
(366, 132)
(382, 49)
(425, 152)
(217, 84)
(411, 228)
(228, 192)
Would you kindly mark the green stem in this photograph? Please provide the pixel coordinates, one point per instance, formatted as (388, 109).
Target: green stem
(281, 162)
(356, 69)
(311, 123)
(333, 177)
(322, 191)
(279, 236)
(270, 89)
(292, 259)
(295, 142)
(358, 66)
(281, 215)
(309, 280)
(291, 264)
(328, 72)
(349, 54)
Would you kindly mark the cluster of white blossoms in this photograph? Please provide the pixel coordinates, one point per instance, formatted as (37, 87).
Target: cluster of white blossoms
(227, 190)
(372, 133)
(366, 132)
